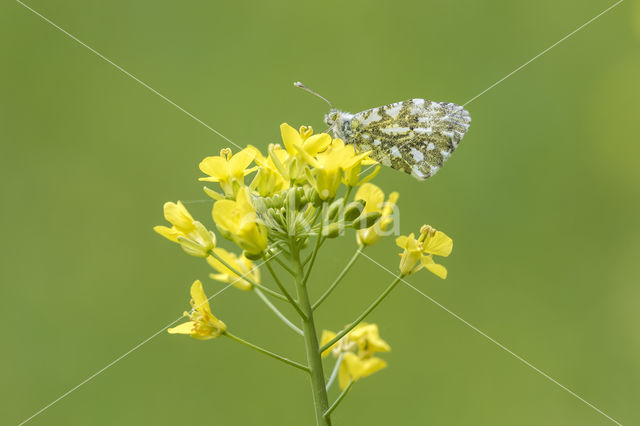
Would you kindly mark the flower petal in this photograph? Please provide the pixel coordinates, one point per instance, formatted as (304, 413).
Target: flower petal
(178, 216)
(223, 214)
(326, 338)
(439, 244)
(344, 375)
(369, 366)
(216, 167)
(317, 143)
(388, 206)
(184, 328)
(372, 196)
(169, 233)
(439, 270)
(200, 301)
(290, 137)
(241, 161)
(401, 241)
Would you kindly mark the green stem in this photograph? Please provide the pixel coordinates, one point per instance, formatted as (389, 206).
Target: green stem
(363, 315)
(286, 293)
(266, 352)
(321, 401)
(271, 292)
(339, 399)
(339, 278)
(246, 278)
(319, 241)
(311, 226)
(276, 311)
(346, 196)
(285, 266)
(312, 256)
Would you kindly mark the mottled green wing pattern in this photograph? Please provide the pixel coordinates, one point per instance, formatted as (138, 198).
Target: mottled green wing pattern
(415, 136)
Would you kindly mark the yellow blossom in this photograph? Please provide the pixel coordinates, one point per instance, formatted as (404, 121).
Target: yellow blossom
(297, 144)
(352, 174)
(228, 170)
(357, 349)
(237, 220)
(374, 199)
(419, 253)
(269, 178)
(203, 325)
(192, 236)
(368, 339)
(329, 166)
(239, 263)
(353, 368)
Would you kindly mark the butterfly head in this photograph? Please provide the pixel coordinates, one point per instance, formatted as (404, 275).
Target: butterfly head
(332, 117)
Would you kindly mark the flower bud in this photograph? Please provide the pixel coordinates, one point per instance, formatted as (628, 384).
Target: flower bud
(308, 192)
(225, 234)
(354, 210)
(410, 261)
(366, 221)
(276, 200)
(253, 256)
(301, 197)
(332, 231)
(292, 200)
(315, 199)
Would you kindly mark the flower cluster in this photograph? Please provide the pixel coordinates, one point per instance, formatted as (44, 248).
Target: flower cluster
(270, 206)
(355, 352)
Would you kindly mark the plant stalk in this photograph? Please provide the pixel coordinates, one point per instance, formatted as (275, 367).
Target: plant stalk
(320, 399)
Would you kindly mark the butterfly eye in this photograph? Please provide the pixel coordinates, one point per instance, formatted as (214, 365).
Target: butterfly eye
(331, 118)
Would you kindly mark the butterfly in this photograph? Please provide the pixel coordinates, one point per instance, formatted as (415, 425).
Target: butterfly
(415, 136)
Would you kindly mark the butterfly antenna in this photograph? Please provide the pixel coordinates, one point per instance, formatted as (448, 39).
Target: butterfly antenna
(303, 87)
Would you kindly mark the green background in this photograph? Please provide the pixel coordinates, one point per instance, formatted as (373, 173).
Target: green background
(542, 200)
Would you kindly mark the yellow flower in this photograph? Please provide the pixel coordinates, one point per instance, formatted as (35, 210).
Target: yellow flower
(299, 143)
(374, 199)
(419, 253)
(228, 170)
(352, 174)
(368, 339)
(305, 139)
(353, 368)
(192, 236)
(203, 325)
(329, 166)
(269, 178)
(357, 349)
(238, 221)
(238, 263)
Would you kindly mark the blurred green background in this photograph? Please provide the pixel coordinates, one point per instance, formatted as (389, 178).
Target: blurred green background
(542, 200)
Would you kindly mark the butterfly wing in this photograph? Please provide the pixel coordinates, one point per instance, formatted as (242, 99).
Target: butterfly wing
(415, 136)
